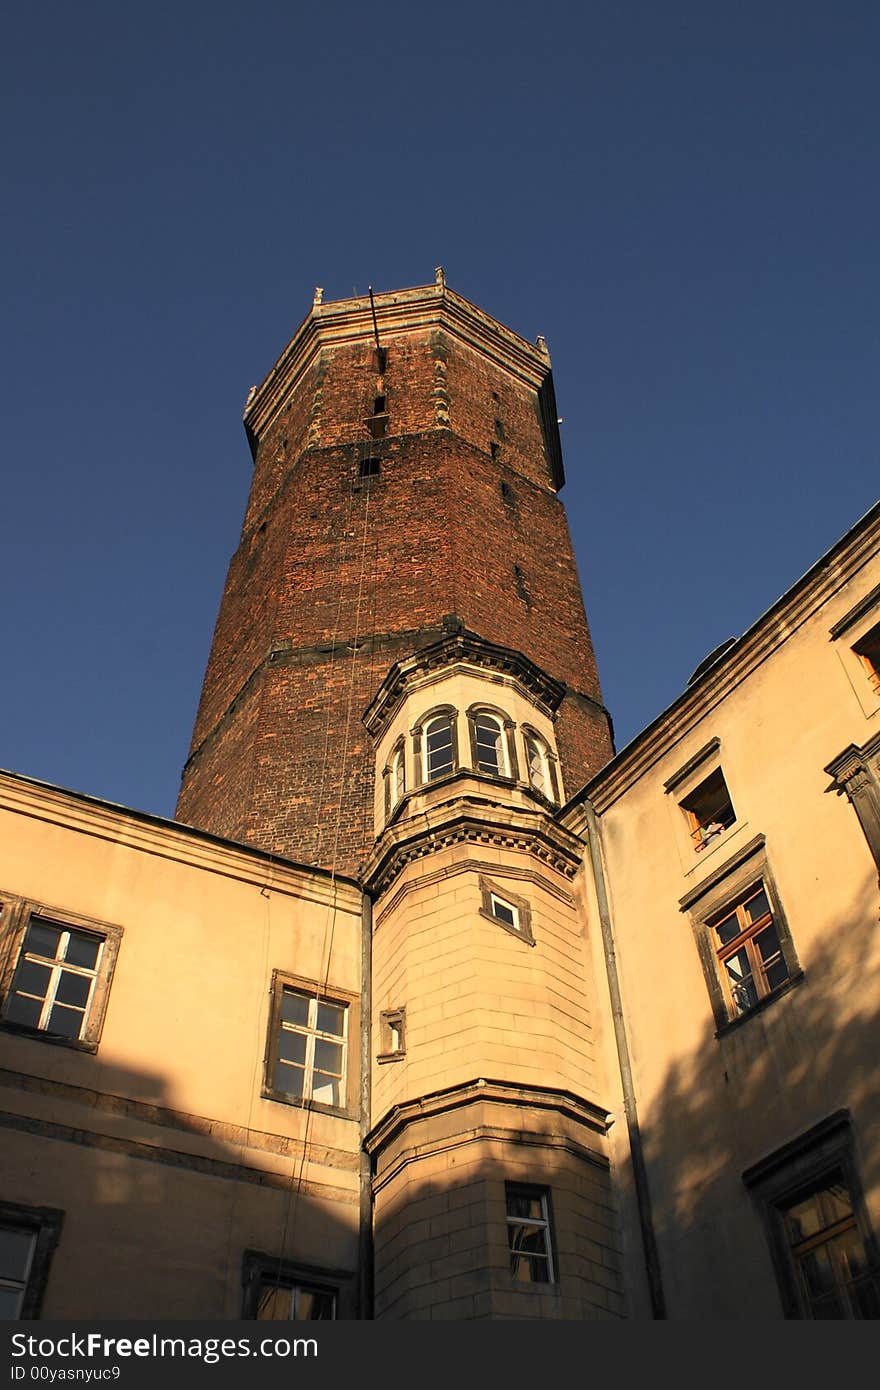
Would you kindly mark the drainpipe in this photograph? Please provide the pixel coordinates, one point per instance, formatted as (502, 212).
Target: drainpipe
(640, 1174)
(365, 1235)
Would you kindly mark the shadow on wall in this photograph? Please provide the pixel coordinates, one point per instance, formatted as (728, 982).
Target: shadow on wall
(739, 1098)
(160, 1207)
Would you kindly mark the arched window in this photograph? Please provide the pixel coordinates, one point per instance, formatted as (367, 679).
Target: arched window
(438, 747)
(489, 745)
(492, 748)
(540, 766)
(395, 777)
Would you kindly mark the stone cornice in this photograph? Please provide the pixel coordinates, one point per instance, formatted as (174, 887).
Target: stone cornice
(139, 831)
(582, 1111)
(464, 649)
(428, 306)
(466, 820)
(800, 603)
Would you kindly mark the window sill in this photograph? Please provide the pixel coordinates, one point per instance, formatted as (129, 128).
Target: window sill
(700, 857)
(384, 1057)
(56, 1039)
(733, 1023)
(317, 1107)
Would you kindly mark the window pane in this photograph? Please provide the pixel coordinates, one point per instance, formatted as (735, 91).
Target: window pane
(728, 928)
(294, 1007)
(767, 942)
(289, 1080)
(758, 906)
(803, 1219)
(42, 939)
(313, 1305)
(32, 979)
(67, 1022)
(82, 950)
(328, 1057)
(818, 1271)
(273, 1303)
(524, 1204)
(331, 1019)
(742, 986)
(503, 912)
(73, 989)
(326, 1089)
(10, 1303)
(15, 1252)
(21, 1010)
(292, 1047)
(438, 743)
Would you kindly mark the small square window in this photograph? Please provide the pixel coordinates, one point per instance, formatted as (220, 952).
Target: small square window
(308, 1053)
(28, 1236)
(369, 468)
(528, 1234)
(709, 810)
(868, 650)
(507, 910)
(60, 976)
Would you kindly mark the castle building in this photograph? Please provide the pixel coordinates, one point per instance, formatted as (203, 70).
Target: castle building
(429, 1004)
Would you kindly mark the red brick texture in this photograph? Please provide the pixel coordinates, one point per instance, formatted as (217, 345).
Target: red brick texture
(338, 576)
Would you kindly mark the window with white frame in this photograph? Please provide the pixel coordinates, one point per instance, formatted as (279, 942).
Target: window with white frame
(439, 747)
(540, 766)
(529, 1237)
(307, 1055)
(395, 778)
(507, 909)
(490, 754)
(57, 975)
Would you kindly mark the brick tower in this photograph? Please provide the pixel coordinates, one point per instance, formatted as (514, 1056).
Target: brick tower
(406, 470)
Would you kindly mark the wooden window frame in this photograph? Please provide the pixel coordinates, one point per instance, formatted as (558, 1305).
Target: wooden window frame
(802, 1168)
(16, 916)
(283, 981)
(709, 902)
(44, 1225)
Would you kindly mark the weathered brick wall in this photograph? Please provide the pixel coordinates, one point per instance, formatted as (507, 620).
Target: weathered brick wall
(451, 526)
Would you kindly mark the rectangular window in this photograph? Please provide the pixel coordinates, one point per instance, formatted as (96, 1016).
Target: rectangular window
(506, 909)
(28, 1236)
(810, 1199)
(392, 1035)
(278, 1290)
(751, 962)
(833, 1273)
(709, 810)
(58, 976)
(307, 1055)
(282, 1302)
(528, 1234)
(745, 947)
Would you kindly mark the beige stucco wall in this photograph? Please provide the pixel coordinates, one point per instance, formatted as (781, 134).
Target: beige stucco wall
(712, 1106)
(164, 1126)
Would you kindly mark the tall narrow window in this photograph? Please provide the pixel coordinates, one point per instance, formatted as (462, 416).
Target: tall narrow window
(395, 778)
(528, 1234)
(489, 753)
(540, 766)
(439, 747)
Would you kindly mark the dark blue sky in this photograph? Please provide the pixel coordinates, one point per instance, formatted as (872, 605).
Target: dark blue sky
(682, 197)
